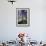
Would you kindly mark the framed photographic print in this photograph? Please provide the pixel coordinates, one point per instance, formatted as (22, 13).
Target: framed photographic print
(22, 17)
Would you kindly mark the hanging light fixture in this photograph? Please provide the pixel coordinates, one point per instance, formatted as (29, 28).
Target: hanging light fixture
(12, 1)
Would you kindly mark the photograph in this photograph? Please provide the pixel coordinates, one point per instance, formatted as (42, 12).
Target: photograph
(22, 22)
(22, 17)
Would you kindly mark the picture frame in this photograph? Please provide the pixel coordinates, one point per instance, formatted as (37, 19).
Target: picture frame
(22, 17)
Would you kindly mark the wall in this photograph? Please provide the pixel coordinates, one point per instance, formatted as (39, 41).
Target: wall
(37, 29)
